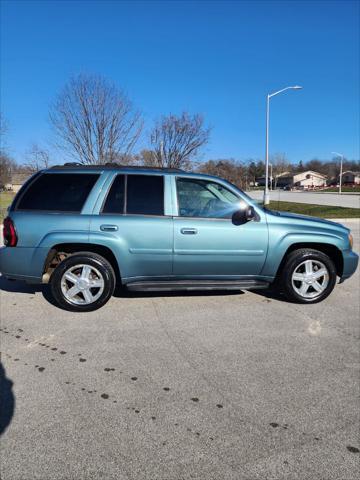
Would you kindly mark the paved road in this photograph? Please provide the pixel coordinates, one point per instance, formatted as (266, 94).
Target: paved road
(227, 386)
(352, 201)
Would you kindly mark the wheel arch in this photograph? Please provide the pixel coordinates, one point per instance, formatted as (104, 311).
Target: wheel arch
(60, 251)
(328, 249)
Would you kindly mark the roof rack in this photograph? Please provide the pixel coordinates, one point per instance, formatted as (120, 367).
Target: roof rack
(117, 166)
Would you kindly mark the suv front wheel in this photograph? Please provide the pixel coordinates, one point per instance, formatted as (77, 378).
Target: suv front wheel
(82, 282)
(308, 276)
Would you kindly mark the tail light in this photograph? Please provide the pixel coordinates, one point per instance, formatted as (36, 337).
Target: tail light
(9, 233)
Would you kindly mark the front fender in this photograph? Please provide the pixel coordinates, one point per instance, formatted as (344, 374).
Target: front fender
(280, 242)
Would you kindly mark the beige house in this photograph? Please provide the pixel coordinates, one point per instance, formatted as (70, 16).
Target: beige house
(304, 180)
(309, 179)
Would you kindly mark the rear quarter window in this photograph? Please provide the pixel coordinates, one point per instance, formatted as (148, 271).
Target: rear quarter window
(63, 192)
(137, 195)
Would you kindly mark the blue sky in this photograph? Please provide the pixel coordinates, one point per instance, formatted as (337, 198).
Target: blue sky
(218, 58)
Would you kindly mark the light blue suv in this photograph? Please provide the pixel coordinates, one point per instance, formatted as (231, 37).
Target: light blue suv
(86, 230)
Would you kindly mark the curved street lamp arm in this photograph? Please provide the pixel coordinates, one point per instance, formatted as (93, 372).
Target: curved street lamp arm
(296, 87)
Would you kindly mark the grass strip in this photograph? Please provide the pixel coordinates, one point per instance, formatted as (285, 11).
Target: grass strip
(321, 211)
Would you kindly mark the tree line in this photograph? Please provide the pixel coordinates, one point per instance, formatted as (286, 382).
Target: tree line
(244, 173)
(94, 122)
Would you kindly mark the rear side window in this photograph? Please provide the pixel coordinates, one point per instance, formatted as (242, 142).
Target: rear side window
(136, 194)
(145, 195)
(115, 200)
(63, 192)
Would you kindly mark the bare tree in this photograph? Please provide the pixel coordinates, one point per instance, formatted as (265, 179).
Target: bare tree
(177, 139)
(37, 158)
(94, 120)
(228, 168)
(7, 168)
(146, 158)
(7, 164)
(280, 165)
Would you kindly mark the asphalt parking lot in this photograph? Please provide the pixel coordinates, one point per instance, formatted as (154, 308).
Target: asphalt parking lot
(171, 387)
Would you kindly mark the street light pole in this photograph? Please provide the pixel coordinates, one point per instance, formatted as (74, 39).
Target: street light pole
(341, 173)
(270, 95)
(266, 192)
(341, 169)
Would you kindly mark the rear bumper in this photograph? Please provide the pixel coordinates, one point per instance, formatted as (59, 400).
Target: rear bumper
(21, 263)
(351, 260)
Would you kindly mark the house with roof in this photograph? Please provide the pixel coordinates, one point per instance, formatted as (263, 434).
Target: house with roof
(305, 180)
(309, 179)
(351, 178)
(17, 181)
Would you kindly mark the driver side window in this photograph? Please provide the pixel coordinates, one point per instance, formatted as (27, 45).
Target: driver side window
(206, 199)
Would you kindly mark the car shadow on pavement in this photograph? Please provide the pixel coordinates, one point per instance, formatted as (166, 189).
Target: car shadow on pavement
(17, 286)
(7, 400)
(122, 292)
(271, 294)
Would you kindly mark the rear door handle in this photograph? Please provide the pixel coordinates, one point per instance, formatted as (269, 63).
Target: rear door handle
(108, 228)
(189, 231)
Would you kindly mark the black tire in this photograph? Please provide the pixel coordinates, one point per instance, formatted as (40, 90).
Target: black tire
(101, 269)
(295, 261)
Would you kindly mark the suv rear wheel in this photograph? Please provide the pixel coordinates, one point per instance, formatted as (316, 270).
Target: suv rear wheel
(83, 282)
(308, 276)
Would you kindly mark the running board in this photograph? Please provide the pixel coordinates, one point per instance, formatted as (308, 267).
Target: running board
(171, 285)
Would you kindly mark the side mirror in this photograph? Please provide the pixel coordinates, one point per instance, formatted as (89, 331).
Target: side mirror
(244, 215)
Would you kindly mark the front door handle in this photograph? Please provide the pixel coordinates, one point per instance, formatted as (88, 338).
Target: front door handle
(189, 231)
(108, 228)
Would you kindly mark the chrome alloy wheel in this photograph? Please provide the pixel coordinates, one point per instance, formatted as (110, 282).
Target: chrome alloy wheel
(82, 284)
(310, 278)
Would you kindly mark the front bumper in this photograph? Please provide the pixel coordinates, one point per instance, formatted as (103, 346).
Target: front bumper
(351, 260)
